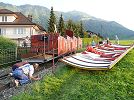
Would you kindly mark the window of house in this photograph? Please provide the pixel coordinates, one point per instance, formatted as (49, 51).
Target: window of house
(15, 31)
(4, 18)
(3, 31)
(21, 31)
(24, 30)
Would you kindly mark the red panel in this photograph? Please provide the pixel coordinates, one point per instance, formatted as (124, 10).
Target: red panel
(50, 43)
(64, 45)
(69, 33)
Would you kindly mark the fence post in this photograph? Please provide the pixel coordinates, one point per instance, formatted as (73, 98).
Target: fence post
(16, 51)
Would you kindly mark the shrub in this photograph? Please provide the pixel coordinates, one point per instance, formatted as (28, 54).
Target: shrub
(7, 51)
(6, 43)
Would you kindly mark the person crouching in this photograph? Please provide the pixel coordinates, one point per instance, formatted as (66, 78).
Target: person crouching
(24, 74)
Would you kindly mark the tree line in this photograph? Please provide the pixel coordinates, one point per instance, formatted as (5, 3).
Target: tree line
(76, 27)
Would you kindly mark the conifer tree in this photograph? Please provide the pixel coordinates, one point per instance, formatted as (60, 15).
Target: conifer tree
(81, 30)
(61, 26)
(70, 25)
(76, 29)
(52, 21)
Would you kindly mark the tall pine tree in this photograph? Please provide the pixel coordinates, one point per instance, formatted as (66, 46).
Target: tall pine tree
(81, 30)
(52, 21)
(76, 29)
(61, 26)
(70, 25)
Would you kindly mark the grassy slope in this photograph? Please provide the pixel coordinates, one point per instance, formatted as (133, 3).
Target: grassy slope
(73, 84)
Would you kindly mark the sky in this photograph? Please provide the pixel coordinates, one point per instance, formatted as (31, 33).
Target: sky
(120, 11)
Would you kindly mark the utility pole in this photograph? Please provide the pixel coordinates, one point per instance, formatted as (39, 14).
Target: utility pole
(55, 31)
(101, 29)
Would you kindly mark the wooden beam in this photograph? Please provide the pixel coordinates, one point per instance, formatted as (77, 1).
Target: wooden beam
(120, 57)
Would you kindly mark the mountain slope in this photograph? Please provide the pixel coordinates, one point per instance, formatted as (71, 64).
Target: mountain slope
(105, 28)
(109, 29)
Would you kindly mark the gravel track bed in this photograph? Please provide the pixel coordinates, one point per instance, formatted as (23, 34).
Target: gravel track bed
(9, 92)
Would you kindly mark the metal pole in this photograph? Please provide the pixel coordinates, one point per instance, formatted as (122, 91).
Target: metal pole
(44, 47)
(16, 57)
(53, 52)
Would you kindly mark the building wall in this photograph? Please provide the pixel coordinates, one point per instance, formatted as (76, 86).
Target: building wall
(17, 31)
(9, 18)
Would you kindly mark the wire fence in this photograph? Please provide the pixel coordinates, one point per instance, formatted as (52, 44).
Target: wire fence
(8, 56)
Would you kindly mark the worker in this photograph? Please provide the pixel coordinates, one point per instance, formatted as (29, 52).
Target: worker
(107, 40)
(93, 43)
(26, 42)
(116, 39)
(24, 73)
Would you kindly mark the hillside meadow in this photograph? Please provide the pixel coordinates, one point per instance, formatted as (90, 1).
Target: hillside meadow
(70, 83)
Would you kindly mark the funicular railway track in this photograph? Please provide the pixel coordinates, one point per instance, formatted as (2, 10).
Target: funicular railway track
(6, 81)
(5, 76)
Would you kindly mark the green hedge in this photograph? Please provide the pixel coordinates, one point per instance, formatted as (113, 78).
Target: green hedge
(7, 50)
(6, 43)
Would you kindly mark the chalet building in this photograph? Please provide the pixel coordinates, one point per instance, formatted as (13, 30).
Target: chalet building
(90, 34)
(16, 26)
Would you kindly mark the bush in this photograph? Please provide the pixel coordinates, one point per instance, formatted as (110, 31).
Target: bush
(6, 43)
(7, 51)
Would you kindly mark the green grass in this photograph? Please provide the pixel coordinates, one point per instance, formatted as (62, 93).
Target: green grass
(88, 41)
(73, 84)
(124, 42)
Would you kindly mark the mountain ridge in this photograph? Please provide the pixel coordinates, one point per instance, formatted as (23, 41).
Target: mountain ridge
(105, 28)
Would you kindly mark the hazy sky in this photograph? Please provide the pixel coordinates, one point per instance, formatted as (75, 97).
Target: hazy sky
(120, 11)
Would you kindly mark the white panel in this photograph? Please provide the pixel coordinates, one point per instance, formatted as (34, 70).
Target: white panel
(10, 18)
(0, 18)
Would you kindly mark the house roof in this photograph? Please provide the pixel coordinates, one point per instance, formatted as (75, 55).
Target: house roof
(98, 34)
(6, 11)
(40, 27)
(23, 20)
(20, 19)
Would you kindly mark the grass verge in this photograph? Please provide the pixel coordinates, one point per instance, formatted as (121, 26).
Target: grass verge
(73, 84)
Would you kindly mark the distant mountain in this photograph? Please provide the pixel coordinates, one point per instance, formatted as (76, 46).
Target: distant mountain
(109, 29)
(77, 16)
(105, 28)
